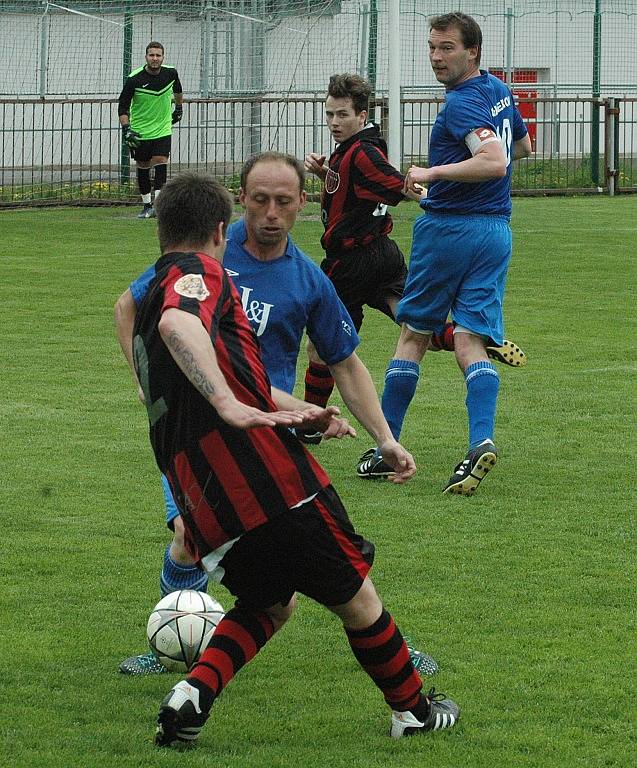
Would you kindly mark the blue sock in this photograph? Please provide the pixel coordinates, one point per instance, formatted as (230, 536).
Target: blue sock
(401, 380)
(175, 576)
(483, 384)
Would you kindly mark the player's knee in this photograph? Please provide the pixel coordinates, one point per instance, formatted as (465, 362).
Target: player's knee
(178, 551)
(281, 613)
(362, 610)
(412, 345)
(469, 347)
(311, 352)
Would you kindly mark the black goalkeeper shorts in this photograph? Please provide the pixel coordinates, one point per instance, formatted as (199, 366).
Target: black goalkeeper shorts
(152, 148)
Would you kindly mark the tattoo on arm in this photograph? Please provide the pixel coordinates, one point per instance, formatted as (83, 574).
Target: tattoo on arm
(191, 368)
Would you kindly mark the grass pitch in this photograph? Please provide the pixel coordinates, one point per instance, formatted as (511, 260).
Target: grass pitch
(524, 593)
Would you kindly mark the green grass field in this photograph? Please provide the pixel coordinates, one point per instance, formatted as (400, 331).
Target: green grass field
(525, 593)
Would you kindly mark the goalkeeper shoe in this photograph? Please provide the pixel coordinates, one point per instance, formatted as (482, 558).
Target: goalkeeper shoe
(180, 718)
(144, 664)
(440, 713)
(509, 354)
(147, 212)
(468, 475)
(423, 664)
(372, 467)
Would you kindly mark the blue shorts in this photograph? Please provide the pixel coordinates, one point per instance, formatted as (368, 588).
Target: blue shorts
(458, 266)
(171, 508)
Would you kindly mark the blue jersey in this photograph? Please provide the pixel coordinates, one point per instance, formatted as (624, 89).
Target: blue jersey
(282, 298)
(481, 102)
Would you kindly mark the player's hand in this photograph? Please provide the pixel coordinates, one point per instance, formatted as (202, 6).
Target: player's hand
(415, 180)
(401, 461)
(328, 421)
(315, 163)
(131, 138)
(243, 416)
(178, 113)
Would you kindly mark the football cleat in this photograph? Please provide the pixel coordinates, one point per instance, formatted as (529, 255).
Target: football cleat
(423, 664)
(509, 354)
(180, 717)
(372, 467)
(468, 475)
(308, 436)
(144, 664)
(147, 212)
(443, 713)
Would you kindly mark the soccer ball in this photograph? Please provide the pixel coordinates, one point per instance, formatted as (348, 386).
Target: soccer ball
(180, 627)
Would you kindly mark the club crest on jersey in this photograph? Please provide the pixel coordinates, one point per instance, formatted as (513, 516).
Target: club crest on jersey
(192, 287)
(332, 181)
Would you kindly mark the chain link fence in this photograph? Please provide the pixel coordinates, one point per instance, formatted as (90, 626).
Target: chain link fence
(255, 73)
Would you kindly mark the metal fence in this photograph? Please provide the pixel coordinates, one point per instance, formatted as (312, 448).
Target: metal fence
(59, 151)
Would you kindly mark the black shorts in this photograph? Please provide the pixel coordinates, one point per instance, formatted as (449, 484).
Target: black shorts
(367, 275)
(151, 148)
(313, 550)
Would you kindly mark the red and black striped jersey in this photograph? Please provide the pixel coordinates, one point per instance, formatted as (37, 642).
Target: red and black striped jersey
(360, 183)
(225, 480)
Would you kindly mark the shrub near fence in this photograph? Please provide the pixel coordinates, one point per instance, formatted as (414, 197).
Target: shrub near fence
(69, 151)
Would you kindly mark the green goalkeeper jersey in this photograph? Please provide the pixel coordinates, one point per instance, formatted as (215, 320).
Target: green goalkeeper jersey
(147, 99)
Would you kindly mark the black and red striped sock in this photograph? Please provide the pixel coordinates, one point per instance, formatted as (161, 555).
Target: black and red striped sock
(238, 638)
(319, 384)
(443, 340)
(382, 653)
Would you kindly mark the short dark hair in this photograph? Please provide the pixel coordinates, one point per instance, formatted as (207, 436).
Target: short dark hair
(354, 87)
(189, 210)
(155, 44)
(276, 157)
(469, 28)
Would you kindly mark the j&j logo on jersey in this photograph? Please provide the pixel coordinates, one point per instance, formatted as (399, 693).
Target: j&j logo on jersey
(502, 104)
(257, 312)
(346, 327)
(332, 181)
(192, 287)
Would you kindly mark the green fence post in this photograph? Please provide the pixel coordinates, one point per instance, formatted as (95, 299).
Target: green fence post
(372, 48)
(597, 54)
(127, 66)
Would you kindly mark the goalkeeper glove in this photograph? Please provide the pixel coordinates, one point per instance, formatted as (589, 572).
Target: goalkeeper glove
(132, 139)
(178, 112)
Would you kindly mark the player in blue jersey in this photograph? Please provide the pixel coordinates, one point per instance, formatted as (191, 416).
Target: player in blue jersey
(461, 248)
(283, 294)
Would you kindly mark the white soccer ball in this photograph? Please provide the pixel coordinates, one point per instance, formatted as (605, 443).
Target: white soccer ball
(180, 627)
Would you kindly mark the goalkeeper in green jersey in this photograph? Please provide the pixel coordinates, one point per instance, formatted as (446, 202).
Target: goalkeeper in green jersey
(146, 116)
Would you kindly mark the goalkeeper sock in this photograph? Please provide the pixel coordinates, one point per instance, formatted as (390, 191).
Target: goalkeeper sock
(238, 638)
(143, 182)
(382, 652)
(161, 173)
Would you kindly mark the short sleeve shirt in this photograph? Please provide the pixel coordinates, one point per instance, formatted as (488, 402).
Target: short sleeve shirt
(480, 102)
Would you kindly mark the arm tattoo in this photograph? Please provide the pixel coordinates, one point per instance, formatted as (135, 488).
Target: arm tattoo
(190, 365)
